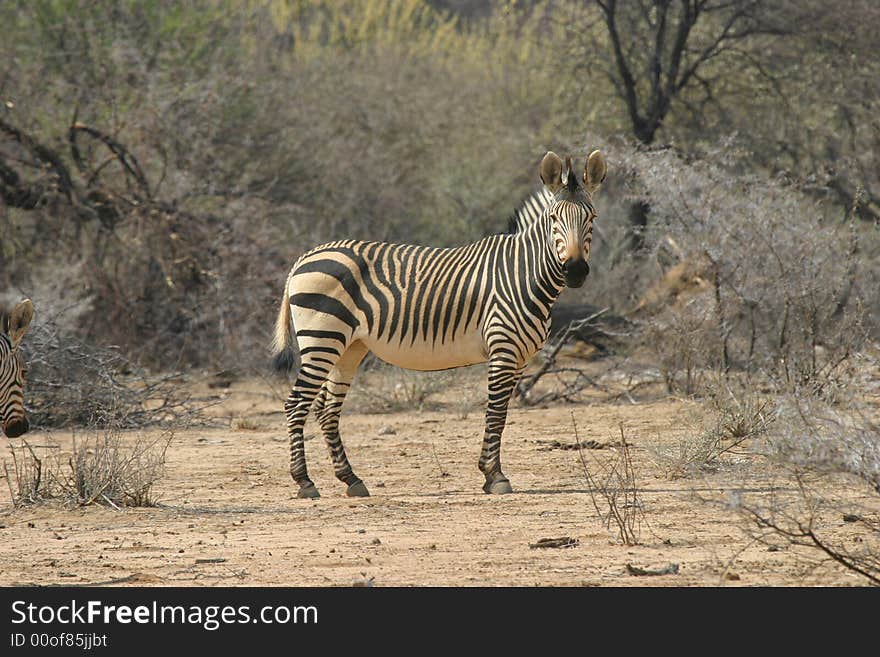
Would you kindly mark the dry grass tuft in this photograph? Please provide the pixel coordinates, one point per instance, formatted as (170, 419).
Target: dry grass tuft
(104, 468)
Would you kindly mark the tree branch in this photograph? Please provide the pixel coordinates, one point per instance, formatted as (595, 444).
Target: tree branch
(609, 10)
(126, 159)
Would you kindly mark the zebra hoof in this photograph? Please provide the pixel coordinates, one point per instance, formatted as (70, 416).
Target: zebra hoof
(498, 487)
(357, 489)
(308, 491)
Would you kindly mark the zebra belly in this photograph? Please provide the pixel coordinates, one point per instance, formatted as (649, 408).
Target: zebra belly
(425, 356)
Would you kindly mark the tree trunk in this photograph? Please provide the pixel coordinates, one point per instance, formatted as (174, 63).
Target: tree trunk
(638, 223)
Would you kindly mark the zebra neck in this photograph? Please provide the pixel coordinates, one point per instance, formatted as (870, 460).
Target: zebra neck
(545, 277)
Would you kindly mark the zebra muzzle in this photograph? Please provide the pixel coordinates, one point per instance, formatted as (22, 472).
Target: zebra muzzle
(575, 270)
(16, 427)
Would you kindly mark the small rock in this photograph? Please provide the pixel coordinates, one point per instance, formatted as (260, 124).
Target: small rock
(387, 431)
(731, 576)
(671, 569)
(31, 525)
(361, 531)
(851, 517)
(375, 541)
(773, 548)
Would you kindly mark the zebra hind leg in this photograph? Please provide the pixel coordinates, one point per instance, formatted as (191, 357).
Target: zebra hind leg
(327, 410)
(309, 381)
(502, 381)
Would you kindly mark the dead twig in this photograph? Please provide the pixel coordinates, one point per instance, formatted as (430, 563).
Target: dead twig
(12, 495)
(526, 383)
(584, 444)
(561, 542)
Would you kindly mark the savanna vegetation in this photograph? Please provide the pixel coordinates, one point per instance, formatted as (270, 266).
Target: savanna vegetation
(162, 164)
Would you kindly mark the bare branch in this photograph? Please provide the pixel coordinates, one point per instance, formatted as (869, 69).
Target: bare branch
(123, 156)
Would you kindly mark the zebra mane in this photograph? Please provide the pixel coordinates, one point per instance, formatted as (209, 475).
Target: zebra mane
(529, 211)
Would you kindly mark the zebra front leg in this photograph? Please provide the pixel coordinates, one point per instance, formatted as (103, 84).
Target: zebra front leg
(502, 380)
(328, 407)
(309, 381)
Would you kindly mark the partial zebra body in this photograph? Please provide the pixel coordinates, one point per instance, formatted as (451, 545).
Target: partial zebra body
(425, 308)
(13, 326)
(420, 308)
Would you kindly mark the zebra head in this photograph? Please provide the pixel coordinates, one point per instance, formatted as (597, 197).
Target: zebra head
(13, 326)
(571, 211)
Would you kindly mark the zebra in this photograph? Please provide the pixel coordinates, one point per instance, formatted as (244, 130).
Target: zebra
(426, 308)
(13, 326)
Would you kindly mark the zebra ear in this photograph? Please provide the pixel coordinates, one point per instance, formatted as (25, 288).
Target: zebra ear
(19, 321)
(551, 171)
(594, 171)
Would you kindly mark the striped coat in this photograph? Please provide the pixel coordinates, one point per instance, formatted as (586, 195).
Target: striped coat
(427, 308)
(13, 326)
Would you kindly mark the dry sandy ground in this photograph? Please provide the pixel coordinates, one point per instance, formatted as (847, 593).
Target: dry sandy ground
(228, 514)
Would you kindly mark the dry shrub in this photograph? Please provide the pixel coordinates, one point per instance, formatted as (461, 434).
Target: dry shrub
(832, 455)
(614, 490)
(818, 438)
(31, 478)
(106, 469)
(73, 383)
(804, 518)
(740, 417)
(566, 382)
(785, 281)
(732, 420)
(683, 342)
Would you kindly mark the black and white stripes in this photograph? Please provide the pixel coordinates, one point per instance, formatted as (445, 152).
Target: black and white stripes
(427, 308)
(13, 326)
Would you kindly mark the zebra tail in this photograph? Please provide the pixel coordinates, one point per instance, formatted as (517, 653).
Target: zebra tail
(284, 345)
